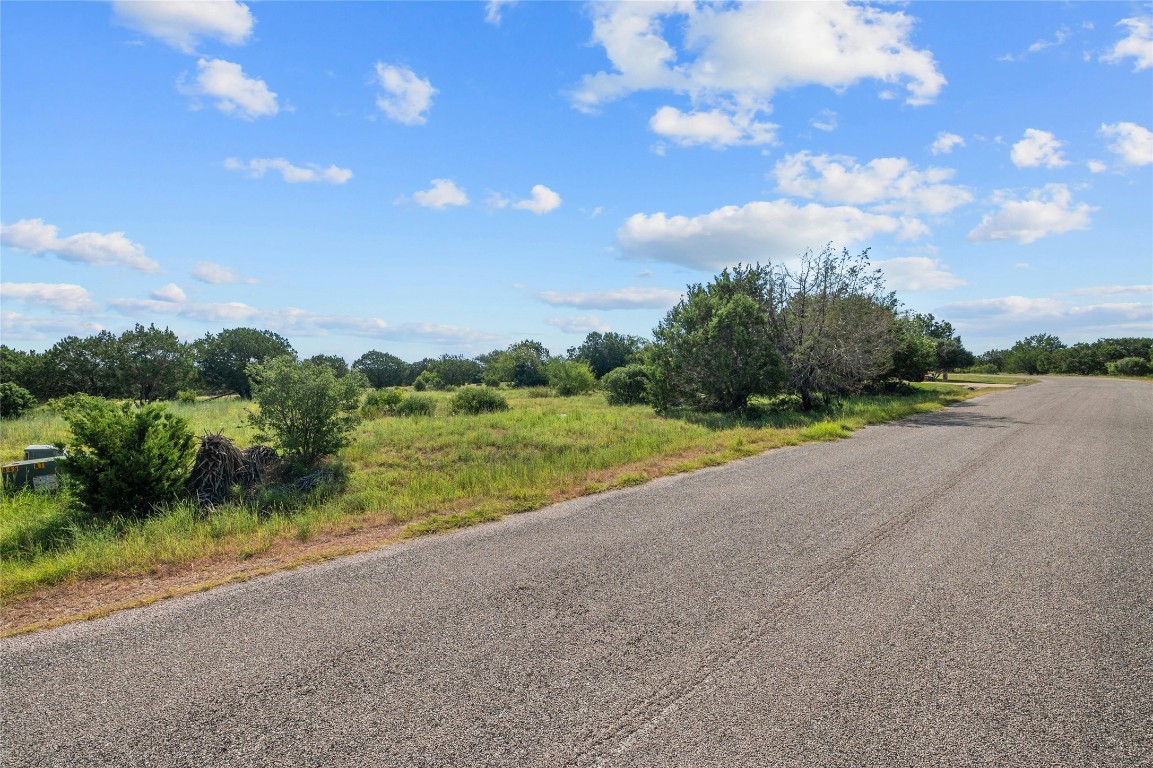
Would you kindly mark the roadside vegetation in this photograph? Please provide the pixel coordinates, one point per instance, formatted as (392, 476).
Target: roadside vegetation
(424, 474)
(228, 446)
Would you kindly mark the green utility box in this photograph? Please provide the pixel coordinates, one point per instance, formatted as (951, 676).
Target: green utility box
(37, 471)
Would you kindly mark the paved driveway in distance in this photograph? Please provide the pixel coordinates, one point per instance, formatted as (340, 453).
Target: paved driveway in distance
(967, 588)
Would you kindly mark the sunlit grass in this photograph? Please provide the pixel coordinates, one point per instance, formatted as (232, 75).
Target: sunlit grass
(426, 474)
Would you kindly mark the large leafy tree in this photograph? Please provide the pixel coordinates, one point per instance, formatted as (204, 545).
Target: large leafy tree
(456, 370)
(337, 363)
(1035, 354)
(832, 323)
(715, 349)
(24, 369)
(605, 352)
(223, 359)
(83, 365)
(381, 368)
(153, 364)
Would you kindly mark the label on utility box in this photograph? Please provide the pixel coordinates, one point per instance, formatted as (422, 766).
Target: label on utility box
(44, 483)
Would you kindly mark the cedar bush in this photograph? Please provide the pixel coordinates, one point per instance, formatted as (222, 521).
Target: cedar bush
(417, 405)
(473, 400)
(126, 460)
(627, 385)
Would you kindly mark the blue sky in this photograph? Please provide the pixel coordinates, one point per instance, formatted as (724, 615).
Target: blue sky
(428, 178)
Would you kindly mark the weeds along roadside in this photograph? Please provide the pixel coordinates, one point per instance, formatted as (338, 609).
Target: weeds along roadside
(425, 473)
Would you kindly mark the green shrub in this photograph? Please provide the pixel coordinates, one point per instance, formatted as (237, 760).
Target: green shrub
(186, 396)
(986, 368)
(474, 400)
(428, 379)
(14, 400)
(305, 410)
(1129, 366)
(125, 460)
(417, 405)
(626, 385)
(381, 402)
(569, 377)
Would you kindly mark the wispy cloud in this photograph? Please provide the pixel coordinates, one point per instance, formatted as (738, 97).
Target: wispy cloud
(293, 174)
(623, 298)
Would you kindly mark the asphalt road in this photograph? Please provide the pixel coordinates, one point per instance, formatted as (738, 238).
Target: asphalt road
(973, 587)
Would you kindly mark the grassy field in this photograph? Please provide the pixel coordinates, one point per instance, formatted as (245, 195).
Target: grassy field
(426, 474)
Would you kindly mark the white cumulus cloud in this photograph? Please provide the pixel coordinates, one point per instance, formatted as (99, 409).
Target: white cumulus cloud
(235, 93)
(736, 57)
(889, 183)
(543, 200)
(945, 143)
(1131, 142)
(61, 297)
(442, 193)
(99, 250)
(758, 231)
(1036, 149)
(183, 23)
(623, 298)
(1137, 44)
(918, 273)
(405, 97)
(216, 274)
(716, 128)
(1046, 211)
(169, 292)
(293, 174)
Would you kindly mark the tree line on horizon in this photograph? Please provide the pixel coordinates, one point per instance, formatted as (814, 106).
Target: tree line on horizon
(825, 329)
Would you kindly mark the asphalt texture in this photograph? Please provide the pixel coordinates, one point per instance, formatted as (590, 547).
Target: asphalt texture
(967, 588)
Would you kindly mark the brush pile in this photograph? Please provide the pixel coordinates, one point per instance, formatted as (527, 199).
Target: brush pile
(221, 470)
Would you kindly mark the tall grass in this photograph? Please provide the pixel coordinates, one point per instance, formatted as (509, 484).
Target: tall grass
(427, 474)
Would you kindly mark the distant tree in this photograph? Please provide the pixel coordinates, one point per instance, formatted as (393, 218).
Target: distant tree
(914, 353)
(1034, 354)
(521, 365)
(606, 351)
(1130, 366)
(715, 349)
(428, 379)
(1081, 359)
(87, 366)
(415, 370)
(153, 364)
(994, 357)
(223, 359)
(24, 369)
(14, 400)
(381, 369)
(832, 322)
(949, 354)
(457, 370)
(304, 409)
(338, 364)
